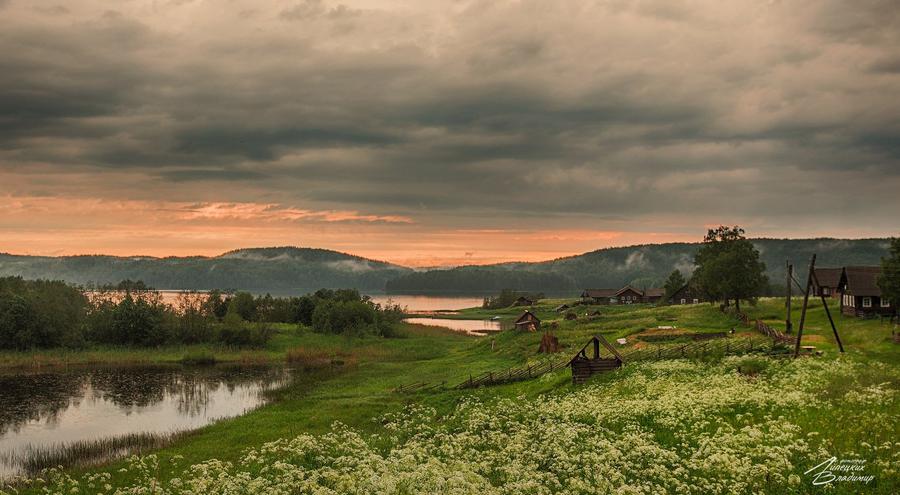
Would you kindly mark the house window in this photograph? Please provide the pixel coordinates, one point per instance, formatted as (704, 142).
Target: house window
(885, 302)
(867, 302)
(696, 300)
(826, 291)
(683, 301)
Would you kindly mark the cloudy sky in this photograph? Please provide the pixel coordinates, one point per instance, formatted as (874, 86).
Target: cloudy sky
(443, 132)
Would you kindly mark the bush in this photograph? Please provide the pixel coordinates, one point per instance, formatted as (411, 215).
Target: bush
(40, 313)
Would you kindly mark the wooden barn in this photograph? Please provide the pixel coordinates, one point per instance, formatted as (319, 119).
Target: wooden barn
(583, 366)
(829, 282)
(653, 295)
(528, 322)
(860, 294)
(686, 295)
(599, 296)
(524, 301)
(561, 308)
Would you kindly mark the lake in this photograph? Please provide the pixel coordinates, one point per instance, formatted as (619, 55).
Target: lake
(40, 409)
(429, 304)
(413, 303)
(472, 327)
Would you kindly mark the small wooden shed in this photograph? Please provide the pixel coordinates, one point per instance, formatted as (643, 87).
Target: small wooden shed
(528, 321)
(583, 366)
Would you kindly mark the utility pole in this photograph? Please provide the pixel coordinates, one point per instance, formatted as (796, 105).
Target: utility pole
(828, 314)
(809, 281)
(788, 326)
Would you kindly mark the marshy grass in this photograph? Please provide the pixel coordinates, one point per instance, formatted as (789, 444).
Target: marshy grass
(199, 358)
(310, 359)
(33, 459)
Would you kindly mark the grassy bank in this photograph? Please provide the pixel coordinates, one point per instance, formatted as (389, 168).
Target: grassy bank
(839, 404)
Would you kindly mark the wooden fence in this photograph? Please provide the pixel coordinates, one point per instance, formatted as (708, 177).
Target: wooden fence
(512, 374)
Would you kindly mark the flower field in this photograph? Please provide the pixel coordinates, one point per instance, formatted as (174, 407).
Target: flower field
(680, 427)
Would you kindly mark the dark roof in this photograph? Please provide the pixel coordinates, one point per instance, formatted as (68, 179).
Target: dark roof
(562, 307)
(862, 280)
(654, 292)
(526, 317)
(829, 277)
(599, 293)
(628, 287)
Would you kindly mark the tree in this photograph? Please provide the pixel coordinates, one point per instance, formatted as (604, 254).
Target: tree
(244, 305)
(673, 283)
(889, 281)
(728, 267)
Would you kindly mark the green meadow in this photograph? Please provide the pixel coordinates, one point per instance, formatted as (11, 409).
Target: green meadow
(720, 425)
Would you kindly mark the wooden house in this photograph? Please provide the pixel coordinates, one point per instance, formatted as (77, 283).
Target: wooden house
(653, 295)
(860, 294)
(625, 295)
(599, 296)
(561, 308)
(524, 301)
(829, 282)
(528, 322)
(629, 295)
(686, 295)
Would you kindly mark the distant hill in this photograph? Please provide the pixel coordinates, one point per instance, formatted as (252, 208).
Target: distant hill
(641, 266)
(270, 269)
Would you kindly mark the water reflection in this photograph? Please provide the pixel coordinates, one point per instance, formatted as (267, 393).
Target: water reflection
(83, 403)
(471, 327)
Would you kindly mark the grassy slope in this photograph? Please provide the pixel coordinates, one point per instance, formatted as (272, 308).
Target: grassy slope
(362, 393)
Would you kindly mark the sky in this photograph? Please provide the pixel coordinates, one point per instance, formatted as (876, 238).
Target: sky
(436, 133)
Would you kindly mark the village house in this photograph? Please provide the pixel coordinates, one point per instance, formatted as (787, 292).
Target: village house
(625, 295)
(860, 294)
(653, 295)
(686, 295)
(829, 282)
(528, 322)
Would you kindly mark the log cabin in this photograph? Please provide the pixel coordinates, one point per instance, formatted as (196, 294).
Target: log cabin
(829, 282)
(860, 294)
(686, 295)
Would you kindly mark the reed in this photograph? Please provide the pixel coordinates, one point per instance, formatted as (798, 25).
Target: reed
(33, 459)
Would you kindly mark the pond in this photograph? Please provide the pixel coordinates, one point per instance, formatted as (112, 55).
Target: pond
(472, 327)
(42, 411)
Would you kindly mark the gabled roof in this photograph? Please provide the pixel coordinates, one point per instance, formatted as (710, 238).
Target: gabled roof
(654, 292)
(599, 293)
(628, 287)
(829, 277)
(526, 317)
(862, 280)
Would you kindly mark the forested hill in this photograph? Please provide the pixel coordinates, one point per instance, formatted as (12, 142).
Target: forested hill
(641, 266)
(269, 269)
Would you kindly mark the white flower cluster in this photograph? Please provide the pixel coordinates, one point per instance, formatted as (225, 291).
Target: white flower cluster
(668, 427)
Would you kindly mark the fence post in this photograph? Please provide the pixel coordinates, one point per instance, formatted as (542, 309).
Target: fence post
(491, 376)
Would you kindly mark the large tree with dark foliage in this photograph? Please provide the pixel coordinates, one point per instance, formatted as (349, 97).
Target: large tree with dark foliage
(889, 282)
(728, 267)
(673, 283)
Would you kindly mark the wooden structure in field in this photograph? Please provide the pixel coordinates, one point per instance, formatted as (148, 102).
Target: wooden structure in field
(528, 322)
(583, 366)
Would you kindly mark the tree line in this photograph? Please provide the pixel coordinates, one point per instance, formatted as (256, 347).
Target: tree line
(46, 314)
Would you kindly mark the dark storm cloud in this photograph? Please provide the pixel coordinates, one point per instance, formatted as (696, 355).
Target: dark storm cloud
(488, 110)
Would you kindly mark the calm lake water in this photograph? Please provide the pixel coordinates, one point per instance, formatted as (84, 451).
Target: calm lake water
(429, 304)
(414, 304)
(42, 409)
(471, 327)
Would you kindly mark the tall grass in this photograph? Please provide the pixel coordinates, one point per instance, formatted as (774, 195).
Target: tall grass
(32, 459)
